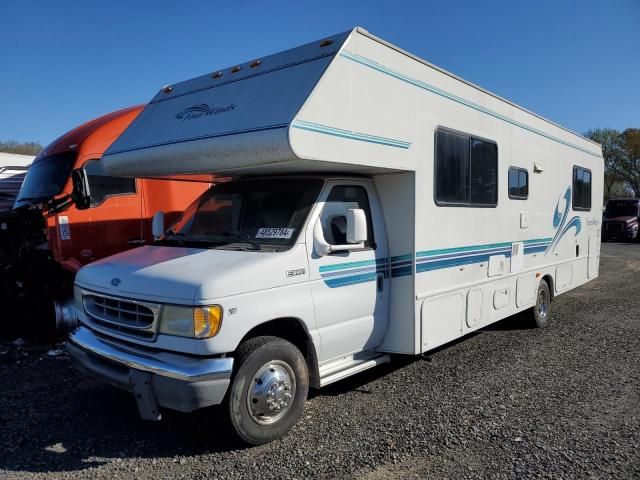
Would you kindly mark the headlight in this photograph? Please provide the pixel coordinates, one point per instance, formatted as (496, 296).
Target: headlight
(198, 322)
(207, 321)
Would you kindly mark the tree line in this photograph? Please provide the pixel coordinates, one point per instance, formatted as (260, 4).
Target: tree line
(621, 152)
(23, 148)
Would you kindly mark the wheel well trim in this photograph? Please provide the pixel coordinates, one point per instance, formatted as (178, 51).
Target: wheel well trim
(273, 327)
(549, 279)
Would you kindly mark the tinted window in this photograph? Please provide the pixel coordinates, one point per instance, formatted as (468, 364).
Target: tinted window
(466, 170)
(103, 186)
(581, 188)
(621, 208)
(333, 218)
(452, 168)
(46, 177)
(484, 173)
(518, 183)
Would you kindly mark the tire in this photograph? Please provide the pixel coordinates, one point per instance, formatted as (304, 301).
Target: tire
(264, 364)
(540, 314)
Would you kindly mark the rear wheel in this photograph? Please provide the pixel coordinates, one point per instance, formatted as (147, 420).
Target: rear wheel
(267, 393)
(539, 315)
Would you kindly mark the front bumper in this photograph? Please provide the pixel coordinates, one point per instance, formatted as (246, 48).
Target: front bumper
(178, 382)
(628, 235)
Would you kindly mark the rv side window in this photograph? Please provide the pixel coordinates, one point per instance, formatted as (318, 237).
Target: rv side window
(466, 170)
(333, 218)
(104, 186)
(581, 188)
(484, 173)
(518, 183)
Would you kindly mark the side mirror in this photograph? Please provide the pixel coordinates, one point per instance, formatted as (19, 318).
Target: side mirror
(157, 225)
(356, 234)
(81, 193)
(356, 226)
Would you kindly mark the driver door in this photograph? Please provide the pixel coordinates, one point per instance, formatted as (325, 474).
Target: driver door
(350, 289)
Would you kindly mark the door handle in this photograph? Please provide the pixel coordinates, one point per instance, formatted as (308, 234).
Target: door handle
(380, 281)
(136, 241)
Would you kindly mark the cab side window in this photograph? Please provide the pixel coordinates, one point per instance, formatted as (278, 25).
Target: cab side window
(104, 186)
(333, 217)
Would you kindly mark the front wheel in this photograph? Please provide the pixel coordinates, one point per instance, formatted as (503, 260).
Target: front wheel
(268, 390)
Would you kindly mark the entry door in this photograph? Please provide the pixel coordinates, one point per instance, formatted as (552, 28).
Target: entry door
(350, 289)
(594, 256)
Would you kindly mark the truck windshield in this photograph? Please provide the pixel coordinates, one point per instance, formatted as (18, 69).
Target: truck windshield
(247, 215)
(621, 209)
(46, 178)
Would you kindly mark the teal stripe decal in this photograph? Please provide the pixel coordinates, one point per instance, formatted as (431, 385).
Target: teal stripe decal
(350, 273)
(338, 132)
(341, 266)
(539, 240)
(425, 86)
(442, 251)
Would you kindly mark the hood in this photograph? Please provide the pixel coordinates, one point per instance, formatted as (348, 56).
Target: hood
(188, 275)
(628, 219)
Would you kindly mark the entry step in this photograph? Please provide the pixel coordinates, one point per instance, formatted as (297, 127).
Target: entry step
(347, 366)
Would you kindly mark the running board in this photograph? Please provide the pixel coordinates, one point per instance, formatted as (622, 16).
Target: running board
(345, 367)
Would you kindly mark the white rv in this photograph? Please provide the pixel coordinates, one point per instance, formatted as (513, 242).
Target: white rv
(376, 204)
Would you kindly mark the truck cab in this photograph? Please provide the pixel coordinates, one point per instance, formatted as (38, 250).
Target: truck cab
(46, 239)
(620, 220)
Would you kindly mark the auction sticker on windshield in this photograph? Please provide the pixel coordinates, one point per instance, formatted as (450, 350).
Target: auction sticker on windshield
(275, 232)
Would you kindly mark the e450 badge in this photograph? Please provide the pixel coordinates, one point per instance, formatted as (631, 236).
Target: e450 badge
(295, 273)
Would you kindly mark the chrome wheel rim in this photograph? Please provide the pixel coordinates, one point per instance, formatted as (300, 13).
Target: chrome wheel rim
(543, 304)
(271, 392)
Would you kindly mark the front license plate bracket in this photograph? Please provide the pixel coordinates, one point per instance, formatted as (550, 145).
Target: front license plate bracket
(146, 400)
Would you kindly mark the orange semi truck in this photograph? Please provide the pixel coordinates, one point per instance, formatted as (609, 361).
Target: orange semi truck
(45, 239)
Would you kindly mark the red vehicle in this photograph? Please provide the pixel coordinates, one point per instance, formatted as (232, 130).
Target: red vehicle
(45, 239)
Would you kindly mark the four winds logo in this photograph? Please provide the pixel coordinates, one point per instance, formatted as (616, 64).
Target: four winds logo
(203, 109)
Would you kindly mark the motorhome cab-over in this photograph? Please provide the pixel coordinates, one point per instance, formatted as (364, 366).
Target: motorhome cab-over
(377, 205)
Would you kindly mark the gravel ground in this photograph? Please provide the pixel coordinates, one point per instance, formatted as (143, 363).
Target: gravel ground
(506, 402)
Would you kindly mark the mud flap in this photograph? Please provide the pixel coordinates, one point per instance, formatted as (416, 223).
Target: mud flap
(146, 400)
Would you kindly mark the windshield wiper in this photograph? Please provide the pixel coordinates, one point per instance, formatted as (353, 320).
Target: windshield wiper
(173, 235)
(243, 238)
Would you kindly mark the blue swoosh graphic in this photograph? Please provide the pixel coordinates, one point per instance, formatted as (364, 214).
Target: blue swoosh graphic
(558, 221)
(574, 222)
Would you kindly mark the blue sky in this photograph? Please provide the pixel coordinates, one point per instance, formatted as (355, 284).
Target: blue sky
(65, 62)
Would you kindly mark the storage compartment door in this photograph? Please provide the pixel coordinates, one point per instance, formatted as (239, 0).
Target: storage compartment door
(441, 319)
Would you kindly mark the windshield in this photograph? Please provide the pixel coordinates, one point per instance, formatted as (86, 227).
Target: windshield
(247, 215)
(621, 208)
(46, 178)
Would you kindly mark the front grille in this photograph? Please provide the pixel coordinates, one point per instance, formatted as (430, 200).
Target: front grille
(615, 227)
(129, 317)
